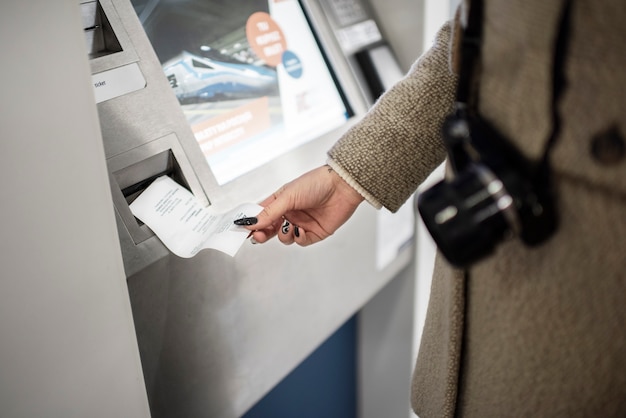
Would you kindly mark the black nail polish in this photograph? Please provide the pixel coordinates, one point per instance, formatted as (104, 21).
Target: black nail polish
(285, 227)
(296, 231)
(245, 221)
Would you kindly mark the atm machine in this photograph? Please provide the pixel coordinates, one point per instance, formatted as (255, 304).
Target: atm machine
(231, 99)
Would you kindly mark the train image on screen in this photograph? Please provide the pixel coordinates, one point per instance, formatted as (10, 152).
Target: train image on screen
(197, 79)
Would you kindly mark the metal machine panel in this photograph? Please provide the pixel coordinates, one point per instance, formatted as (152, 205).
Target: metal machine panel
(369, 55)
(216, 333)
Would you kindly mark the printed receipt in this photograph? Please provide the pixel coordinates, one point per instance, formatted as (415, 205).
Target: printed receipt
(184, 225)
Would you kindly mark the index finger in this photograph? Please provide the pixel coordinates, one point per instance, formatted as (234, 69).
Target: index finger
(274, 208)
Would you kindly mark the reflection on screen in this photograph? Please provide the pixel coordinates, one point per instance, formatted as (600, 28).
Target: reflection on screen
(249, 76)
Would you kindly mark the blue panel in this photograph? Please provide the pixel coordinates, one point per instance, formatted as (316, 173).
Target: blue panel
(323, 385)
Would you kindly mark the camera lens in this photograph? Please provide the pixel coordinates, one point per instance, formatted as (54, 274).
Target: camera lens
(469, 215)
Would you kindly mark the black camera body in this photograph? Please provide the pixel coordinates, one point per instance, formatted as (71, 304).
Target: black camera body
(496, 192)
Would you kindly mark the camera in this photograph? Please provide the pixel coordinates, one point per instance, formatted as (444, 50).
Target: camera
(495, 193)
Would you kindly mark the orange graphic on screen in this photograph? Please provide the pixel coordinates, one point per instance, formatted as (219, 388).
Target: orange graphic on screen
(235, 126)
(266, 38)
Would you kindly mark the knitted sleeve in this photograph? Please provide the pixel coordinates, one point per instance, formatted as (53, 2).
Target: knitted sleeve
(398, 142)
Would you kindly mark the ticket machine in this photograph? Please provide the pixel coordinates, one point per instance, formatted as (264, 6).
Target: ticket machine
(231, 99)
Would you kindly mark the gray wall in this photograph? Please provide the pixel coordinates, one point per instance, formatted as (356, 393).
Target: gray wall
(67, 343)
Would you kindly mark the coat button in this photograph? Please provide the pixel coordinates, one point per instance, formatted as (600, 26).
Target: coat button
(608, 147)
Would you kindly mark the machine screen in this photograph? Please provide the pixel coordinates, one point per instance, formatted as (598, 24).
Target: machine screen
(248, 74)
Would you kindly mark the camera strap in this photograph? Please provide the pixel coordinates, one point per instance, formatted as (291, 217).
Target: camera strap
(471, 44)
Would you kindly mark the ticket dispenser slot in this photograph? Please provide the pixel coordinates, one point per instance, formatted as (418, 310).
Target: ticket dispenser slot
(99, 35)
(133, 171)
(108, 43)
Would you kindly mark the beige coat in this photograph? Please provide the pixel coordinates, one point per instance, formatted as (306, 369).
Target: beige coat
(527, 332)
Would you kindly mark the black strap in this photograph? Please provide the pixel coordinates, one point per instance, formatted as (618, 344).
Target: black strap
(471, 44)
(559, 80)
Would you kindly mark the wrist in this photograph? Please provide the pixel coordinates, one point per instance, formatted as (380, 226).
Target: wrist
(352, 188)
(345, 189)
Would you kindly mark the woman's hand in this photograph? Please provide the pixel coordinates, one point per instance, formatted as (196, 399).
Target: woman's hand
(306, 210)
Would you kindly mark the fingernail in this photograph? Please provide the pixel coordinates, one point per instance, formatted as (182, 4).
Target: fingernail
(245, 221)
(253, 241)
(285, 227)
(296, 231)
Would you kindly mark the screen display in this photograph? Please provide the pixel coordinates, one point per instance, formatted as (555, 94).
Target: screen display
(249, 76)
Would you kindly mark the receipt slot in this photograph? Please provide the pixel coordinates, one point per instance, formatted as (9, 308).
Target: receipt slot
(133, 171)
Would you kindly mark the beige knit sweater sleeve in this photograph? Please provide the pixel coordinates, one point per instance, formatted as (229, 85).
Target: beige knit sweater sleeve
(398, 142)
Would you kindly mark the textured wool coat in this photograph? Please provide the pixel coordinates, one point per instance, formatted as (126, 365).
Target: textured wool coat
(527, 332)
